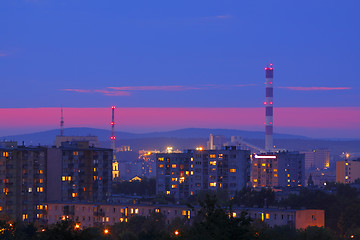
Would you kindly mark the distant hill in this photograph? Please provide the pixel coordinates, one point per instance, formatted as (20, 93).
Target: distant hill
(48, 137)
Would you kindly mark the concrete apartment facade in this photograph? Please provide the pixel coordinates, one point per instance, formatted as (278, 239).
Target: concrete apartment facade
(23, 181)
(347, 171)
(184, 174)
(281, 169)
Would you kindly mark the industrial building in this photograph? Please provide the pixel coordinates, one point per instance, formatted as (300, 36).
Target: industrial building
(184, 174)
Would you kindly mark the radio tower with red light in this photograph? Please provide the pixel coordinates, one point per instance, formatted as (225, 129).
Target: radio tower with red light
(269, 143)
(113, 138)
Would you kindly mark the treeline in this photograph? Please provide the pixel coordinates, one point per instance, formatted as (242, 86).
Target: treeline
(145, 187)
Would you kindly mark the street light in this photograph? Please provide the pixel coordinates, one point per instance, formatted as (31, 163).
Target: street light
(106, 231)
(176, 232)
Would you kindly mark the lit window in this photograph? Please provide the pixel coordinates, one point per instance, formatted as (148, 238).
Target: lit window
(288, 175)
(30, 189)
(255, 180)
(174, 179)
(174, 186)
(173, 165)
(161, 159)
(167, 192)
(220, 155)
(233, 170)
(41, 180)
(264, 164)
(161, 165)
(234, 214)
(63, 178)
(157, 210)
(136, 210)
(212, 155)
(181, 180)
(275, 170)
(41, 171)
(275, 175)
(184, 212)
(267, 216)
(213, 184)
(107, 219)
(213, 163)
(191, 173)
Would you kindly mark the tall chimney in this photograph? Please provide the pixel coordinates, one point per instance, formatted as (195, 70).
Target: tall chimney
(269, 143)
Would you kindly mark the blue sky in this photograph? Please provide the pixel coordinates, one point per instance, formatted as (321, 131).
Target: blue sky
(47, 46)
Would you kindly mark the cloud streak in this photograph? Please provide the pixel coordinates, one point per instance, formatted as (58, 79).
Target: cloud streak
(316, 88)
(126, 90)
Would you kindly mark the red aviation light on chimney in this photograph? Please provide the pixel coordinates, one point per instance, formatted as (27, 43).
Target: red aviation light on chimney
(264, 103)
(266, 68)
(112, 137)
(112, 107)
(112, 123)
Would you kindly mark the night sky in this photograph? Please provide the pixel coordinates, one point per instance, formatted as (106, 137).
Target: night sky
(173, 64)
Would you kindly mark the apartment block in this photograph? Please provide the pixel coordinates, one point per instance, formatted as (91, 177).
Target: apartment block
(184, 174)
(347, 171)
(23, 179)
(281, 169)
(86, 172)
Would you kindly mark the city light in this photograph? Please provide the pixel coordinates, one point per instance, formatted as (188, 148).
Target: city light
(265, 157)
(176, 233)
(106, 231)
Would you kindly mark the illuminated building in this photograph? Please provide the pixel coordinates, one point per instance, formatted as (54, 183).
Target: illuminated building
(347, 171)
(23, 181)
(281, 169)
(184, 174)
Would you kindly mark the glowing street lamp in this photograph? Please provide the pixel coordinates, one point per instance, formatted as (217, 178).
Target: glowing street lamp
(106, 231)
(77, 226)
(176, 233)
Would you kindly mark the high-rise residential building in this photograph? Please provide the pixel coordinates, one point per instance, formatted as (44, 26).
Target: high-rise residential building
(184, 174)
(347, 171)
(281, 169)
(317, 159)
(84, 173)
(23, 181)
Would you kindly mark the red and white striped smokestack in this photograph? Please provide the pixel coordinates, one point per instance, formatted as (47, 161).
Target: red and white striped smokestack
(113, 138)
(269, 143)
